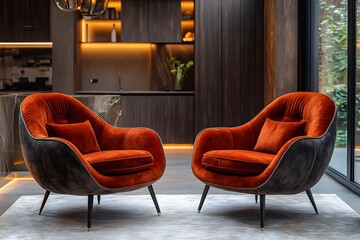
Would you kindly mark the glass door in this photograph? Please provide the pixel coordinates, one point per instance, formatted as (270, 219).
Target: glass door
(357, 99)
(333, 69)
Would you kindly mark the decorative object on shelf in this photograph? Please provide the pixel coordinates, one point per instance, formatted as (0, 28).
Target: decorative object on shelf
(179, 69)
(189, 37)
(86, 33)
(86, 7)
(69, 5)
(113, 33)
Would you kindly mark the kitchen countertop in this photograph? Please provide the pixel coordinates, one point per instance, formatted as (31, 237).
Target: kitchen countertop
(137, 92)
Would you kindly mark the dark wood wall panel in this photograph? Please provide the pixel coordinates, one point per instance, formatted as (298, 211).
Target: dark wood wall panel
(249, 12)
(231, 15)
(208, 64)
(231, 78)
(64, 51)
(171, 116)
(135, 21)
(242, 67)
(165, 21)
(25, 21)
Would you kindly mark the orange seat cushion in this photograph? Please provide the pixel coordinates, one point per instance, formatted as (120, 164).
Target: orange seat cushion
(81, 135)
(237, 162)
(117, 162)
(274, 134)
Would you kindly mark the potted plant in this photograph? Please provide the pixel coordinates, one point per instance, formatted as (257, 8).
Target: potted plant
(179, 69)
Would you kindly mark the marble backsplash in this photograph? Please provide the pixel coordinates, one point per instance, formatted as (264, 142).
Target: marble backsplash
(108, 107)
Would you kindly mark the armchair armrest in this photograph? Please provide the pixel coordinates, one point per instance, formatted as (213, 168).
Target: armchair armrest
(210, 139)
(114, 138)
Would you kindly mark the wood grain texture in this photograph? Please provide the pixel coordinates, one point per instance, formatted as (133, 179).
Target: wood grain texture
(172, 117)
(208, 64)
(135, 21)
(64, 52)
(287, 47)
(165, 21)
(281, 48)
(242, 67)
(269, 50)
(25, 21)
(231, 15)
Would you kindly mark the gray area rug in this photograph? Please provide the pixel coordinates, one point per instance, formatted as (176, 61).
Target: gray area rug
(222, 217)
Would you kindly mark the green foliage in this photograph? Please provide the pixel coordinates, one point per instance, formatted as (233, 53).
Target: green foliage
(338, 92)
(334, 63)
(178, 68)
(333, 41)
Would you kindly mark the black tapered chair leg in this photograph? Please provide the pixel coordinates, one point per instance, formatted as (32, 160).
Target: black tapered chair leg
(98, 199)
(47, 193)
(90, 210)
(153, 196)
(310, 196)
(262, 211)
(204, 194)
(256, 198)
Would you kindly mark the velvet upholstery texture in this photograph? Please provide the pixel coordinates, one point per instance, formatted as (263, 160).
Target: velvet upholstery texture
(274, 134)
(238, 162)
(296, 166)
(117, 162)
(80, 134)
(59, 166)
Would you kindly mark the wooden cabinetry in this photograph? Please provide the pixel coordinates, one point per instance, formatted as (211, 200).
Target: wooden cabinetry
(171, 116)
(155, 21)
(242, 60)
(208, 64)
(25, 21)
(229, 77)
(165, 21)
(135, 27)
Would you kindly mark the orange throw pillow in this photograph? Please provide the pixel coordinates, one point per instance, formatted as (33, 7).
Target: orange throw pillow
(274, 134)
(81, 135)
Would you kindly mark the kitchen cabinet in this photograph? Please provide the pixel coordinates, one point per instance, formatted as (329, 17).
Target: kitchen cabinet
(155, 21)
(25, 21)
(171, 116)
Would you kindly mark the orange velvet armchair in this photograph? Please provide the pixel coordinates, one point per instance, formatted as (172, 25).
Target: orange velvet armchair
(285, 149)
(70, 150)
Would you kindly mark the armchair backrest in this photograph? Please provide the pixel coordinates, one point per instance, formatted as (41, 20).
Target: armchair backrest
(317, 109)
(39, 109)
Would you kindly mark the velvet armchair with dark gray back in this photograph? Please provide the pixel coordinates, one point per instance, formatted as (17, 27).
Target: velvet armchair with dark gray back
(285, 149)
(70, 150)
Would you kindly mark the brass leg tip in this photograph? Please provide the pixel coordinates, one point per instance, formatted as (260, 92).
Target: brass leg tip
(159, 214)
(89, 229)
(262, 229)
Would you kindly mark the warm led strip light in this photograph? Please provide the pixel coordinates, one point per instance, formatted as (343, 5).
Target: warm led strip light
(178, 146)
(11, 182)
(26, 44)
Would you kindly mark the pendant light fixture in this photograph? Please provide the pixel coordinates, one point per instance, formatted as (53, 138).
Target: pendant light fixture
(93, 7)
(86, 7)
(69, 5)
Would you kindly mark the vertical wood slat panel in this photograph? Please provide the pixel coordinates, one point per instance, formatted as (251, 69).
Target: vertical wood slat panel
(171, 116)
(242, 67)
(165, 21)
(208, 64)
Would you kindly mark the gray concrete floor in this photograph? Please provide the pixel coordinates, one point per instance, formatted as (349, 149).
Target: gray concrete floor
(178, 179)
